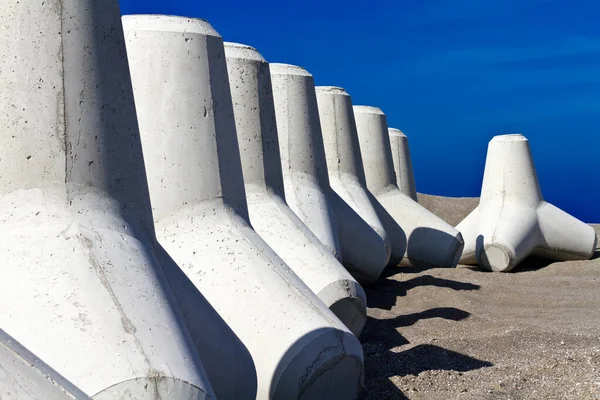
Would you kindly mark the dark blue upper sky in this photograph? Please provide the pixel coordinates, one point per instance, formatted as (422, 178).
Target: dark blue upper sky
(449, 73)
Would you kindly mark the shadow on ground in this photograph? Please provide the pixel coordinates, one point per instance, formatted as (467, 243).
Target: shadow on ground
(532, 263)
(381, 338)
(385, 292)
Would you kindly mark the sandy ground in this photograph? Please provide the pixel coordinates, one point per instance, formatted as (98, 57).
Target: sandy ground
(467, 334)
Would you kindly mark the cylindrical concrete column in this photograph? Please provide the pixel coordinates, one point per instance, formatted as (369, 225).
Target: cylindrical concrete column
(509, 171)
(366, 248)
(513, 221)
(417, 235)
(81, 286)
(252, 96)
(184, 106)
(405, 179)
(374, 142)
(270, 216)
(305, 177)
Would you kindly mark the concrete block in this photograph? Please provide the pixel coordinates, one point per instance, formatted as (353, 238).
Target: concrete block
(365, 245)
(273, 220)
(418, 237)
(305, 177)
(81, 286)
(179, 72)
(405, 179)
(513, 221)
(23, 376)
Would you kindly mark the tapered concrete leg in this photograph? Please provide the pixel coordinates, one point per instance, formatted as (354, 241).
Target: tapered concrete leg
(565, 237)
(356, 235)
(418, 237)
(23, 376)
(468, 255)
(80, 283)
(270, 216)
(405, 179)
(196, 184)
(307, 189)
(513, 221)
(218, 346)
(366, 248)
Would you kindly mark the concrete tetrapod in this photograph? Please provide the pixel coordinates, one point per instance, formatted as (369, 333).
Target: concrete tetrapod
(513, 221)
(405, 179)
(181, 88)
(270, 216)
(80, 283)
(23, 376)
(305, 177)
(366, 248)
(418, 236)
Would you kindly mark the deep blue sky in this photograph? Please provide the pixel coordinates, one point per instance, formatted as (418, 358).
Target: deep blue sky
(449, 73)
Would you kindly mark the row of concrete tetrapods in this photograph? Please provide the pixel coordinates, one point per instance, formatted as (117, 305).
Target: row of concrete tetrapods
(182, 220)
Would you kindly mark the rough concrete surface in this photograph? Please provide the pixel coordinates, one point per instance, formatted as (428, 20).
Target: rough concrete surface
(513, 221)
(298, 347)
(23, 376)
(417, 236)
(270, 216)
(365, 245)
(463, 333)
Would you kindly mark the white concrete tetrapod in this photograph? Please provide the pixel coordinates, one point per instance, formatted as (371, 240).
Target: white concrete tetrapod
(80, 283)
(513, 221)
(305, 177)
(418, 236)
(405, 179)
(181, 87)
(273, 220)
(23, 376)
(365, 245)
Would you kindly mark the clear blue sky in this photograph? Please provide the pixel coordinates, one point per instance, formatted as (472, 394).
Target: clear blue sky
(449, 73)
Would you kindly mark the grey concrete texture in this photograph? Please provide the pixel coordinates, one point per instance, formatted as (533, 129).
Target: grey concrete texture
(405, 178)
(23, 376)
(366, 248)
(512, 219)
(455, 209)
(81, 285)
(299, 348)
(418, 236)
(273, 220)
(305, 176)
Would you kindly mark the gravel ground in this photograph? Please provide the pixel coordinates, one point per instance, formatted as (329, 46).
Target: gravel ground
(462, 333)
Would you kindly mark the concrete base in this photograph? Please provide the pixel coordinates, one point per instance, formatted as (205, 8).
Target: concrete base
(23, 376)
(418, 237)
(216, 344)
(405, 179)
(269, 308)
(270, 216)
(365, 245)
(357, 236)
(513, 221)
(309, 259)
(80, 283)
(196, 184)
